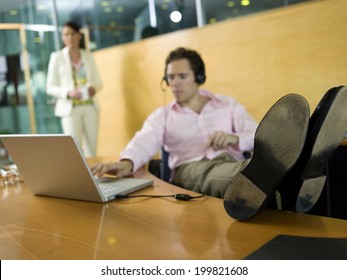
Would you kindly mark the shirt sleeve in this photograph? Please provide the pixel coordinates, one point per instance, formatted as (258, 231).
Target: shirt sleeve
(147, 141)
(244, 126)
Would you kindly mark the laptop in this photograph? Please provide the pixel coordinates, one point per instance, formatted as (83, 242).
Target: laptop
(53, 165)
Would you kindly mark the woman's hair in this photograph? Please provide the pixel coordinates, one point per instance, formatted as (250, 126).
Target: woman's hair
(195, 61)
(73, 25)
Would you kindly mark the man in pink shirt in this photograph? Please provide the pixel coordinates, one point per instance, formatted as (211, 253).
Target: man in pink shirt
(197, 129)
(206, 135)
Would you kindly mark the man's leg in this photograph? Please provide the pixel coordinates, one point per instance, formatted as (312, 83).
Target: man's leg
(210, 177)
(327, 127)
(279, 140)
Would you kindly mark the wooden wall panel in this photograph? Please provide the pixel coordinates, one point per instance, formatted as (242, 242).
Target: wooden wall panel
(256, 59)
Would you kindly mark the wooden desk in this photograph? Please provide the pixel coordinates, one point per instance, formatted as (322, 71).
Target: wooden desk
(34, 227)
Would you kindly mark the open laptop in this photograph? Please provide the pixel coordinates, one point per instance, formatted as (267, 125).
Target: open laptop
(53, 165)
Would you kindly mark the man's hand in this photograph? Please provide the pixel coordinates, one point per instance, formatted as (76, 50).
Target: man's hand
(220, 140)
(119, 169)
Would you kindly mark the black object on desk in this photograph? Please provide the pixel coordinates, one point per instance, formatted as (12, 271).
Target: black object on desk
(289, 247)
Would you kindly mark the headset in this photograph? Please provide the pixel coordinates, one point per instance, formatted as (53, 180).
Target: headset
(195, 61)
(200, 78)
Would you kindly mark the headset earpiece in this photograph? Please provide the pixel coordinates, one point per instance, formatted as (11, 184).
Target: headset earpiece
(200, 78)
(161, 83)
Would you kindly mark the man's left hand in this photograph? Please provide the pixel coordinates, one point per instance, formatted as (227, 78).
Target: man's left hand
(220, 140)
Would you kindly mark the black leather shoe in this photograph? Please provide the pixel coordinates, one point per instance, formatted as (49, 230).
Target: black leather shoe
(279, 140)
(327, 128)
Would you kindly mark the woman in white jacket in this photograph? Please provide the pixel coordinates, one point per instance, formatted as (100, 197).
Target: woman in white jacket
(73, 80)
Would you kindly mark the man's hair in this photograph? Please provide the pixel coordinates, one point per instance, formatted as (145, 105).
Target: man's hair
(195, 61)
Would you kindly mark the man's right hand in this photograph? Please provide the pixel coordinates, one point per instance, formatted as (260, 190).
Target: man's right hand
(120, 169)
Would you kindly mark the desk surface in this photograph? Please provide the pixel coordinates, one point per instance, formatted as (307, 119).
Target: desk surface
(34, 227)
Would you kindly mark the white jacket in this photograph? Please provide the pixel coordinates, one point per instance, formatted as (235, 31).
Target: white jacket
(60, 80)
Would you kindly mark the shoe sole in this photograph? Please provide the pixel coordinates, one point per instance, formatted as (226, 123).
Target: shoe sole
(329, 137)
(278, 143)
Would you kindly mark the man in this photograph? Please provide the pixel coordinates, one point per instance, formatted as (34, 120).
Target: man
(199, 129)
(206, 135)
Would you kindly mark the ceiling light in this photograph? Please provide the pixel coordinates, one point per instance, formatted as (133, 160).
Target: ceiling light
(41, 7)
(230, 4)
(13, 12)
(245, 2)
(119, 9)
(176, 16)
(104, 3)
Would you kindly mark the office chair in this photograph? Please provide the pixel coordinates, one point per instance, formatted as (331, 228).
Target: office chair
(160, 167)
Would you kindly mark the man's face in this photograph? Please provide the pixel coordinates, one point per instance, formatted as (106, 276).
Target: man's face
(181, 80)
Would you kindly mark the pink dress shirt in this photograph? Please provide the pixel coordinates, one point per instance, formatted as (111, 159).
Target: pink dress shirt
(184, 133)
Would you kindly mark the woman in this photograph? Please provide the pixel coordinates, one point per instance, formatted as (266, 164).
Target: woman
(73, 80)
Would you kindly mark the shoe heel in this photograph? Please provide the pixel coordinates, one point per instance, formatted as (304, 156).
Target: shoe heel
(309, 193)
(246, 198)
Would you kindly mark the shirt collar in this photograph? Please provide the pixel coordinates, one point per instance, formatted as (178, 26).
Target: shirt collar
(215, 101)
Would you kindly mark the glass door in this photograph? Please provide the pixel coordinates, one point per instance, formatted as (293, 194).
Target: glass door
(24, 55)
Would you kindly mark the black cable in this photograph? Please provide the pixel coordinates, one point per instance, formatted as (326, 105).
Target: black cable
(179, 196)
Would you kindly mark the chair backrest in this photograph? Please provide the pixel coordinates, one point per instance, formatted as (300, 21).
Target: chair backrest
(165, 171)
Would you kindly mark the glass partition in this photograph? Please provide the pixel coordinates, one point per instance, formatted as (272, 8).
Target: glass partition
(219, 10)
(113, 22)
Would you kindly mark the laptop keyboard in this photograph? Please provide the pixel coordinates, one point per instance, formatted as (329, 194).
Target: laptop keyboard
(108, 186)
(112, 186)
(108, 189)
